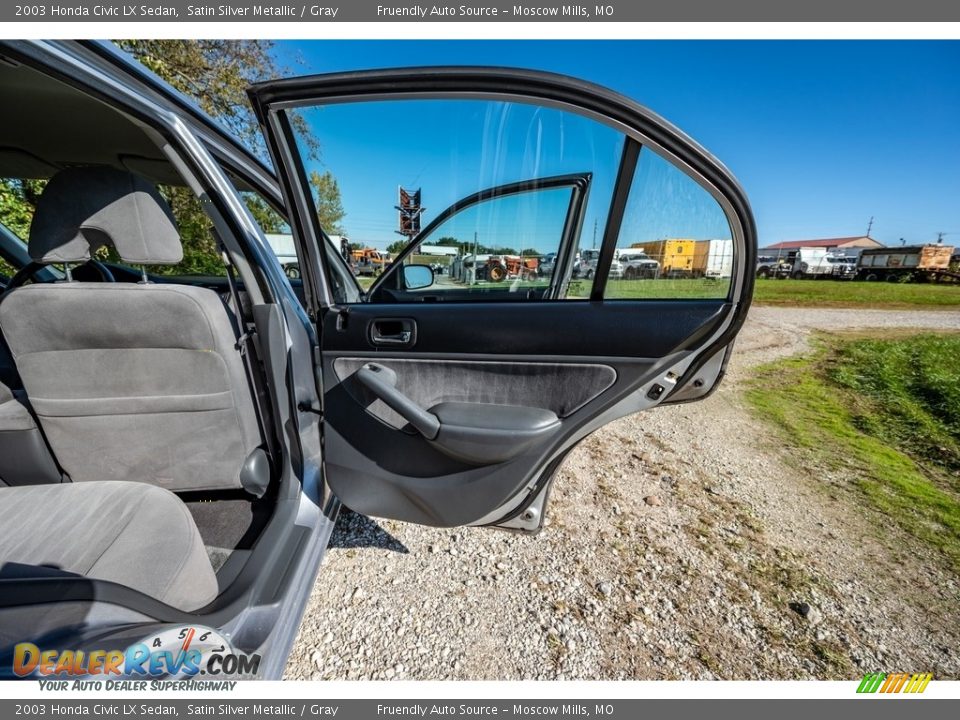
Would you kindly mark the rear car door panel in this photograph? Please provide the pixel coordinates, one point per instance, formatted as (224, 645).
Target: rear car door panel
(464, 414)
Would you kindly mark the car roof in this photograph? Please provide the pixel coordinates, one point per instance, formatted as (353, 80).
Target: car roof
(101, 58)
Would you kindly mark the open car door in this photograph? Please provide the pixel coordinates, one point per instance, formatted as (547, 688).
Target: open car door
(456, 385)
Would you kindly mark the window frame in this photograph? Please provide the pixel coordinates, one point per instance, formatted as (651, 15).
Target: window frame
(579, 185)
(270, 99)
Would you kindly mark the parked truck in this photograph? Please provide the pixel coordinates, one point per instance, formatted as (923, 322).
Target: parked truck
(717, 257)
(917, 263)
(806, 262)
(676, 256)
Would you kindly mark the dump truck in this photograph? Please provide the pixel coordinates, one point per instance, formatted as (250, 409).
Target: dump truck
(917, 263)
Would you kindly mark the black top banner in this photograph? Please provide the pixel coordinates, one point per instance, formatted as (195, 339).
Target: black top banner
(482, 11)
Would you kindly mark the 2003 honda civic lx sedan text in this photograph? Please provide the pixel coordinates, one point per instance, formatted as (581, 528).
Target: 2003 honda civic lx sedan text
(174, 447)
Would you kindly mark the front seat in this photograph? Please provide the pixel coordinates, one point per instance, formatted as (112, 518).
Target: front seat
(134, 382)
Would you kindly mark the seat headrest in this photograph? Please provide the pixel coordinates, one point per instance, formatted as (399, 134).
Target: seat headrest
(83, 209)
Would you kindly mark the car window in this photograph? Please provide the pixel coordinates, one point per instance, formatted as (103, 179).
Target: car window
(280, 239)
(532, 219)
(675, 240)
(201, 250)
(482, 192)
(201, 255)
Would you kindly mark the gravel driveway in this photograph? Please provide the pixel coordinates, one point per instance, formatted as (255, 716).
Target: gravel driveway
(680, 543)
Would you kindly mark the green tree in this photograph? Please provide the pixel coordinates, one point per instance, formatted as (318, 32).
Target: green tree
(216, 74)
(329, 205)
(395, 247)
(18, 200)
(266, 217)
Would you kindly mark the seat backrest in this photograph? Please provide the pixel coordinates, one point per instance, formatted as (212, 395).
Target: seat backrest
(138, 382)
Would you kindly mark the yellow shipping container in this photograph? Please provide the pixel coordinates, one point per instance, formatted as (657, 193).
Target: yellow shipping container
(682, 257)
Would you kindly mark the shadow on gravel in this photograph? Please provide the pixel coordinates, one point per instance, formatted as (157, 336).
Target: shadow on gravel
(356, 531)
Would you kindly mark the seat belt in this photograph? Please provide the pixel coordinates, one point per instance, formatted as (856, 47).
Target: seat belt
(251, 476)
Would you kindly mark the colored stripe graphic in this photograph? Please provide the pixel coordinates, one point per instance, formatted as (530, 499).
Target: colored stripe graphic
(871, 682)
(894, 683)
(918, 683)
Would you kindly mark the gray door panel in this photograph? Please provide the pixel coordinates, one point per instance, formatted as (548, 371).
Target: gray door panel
(377, 466)
(548, 360)
(562, 388)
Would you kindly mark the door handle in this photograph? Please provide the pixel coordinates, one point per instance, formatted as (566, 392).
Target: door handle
(393, 332)
(381, 382)
(401, 338)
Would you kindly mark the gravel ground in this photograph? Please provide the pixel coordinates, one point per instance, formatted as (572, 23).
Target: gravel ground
(680, 543)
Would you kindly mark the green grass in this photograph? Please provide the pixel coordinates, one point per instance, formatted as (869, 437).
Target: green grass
(850, 293)
(884, 413)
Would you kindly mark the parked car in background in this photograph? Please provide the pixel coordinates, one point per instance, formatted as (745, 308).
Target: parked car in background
(767, 266)
(842, 267)
(636, 264)
(548, 263)
(586, 267)
(178, 470)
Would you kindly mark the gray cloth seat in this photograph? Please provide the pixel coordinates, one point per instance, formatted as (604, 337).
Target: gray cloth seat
(128, 533)
(138, 382)
(14, 414)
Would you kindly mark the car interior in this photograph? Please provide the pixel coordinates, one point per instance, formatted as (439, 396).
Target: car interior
(132, 443)
(135, 443)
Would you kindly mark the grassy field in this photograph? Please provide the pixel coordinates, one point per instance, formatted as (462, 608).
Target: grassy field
(834, 293)
(884, 413)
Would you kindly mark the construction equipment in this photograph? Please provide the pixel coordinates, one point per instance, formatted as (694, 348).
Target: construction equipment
(369, 261)
(511, 267)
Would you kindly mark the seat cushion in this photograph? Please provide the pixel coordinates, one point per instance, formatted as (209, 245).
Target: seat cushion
(133, 534)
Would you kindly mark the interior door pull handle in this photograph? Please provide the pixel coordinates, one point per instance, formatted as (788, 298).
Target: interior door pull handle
(402, 338)
(380, 381)
(393, 332)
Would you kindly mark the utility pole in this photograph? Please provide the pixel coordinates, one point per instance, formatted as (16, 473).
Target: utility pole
(594, 233)
(869, 226)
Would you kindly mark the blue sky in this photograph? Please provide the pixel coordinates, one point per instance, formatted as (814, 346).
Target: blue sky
(822, 135)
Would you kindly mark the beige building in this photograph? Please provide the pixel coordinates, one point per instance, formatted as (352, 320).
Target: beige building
(830, 243)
